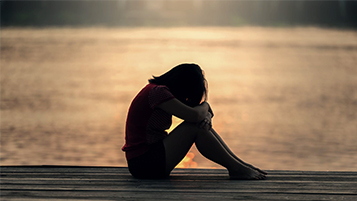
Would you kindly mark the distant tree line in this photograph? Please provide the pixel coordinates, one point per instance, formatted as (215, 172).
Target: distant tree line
(336, 13)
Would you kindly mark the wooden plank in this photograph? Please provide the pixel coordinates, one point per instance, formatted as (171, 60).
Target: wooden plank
(158, 195)
(115, 183)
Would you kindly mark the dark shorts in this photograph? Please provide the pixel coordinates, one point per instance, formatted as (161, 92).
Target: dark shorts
(151, 165)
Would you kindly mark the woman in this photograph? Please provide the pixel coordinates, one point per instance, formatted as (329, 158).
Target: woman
(153, 153)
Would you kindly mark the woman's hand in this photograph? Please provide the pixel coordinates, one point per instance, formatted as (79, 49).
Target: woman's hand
(206, 123)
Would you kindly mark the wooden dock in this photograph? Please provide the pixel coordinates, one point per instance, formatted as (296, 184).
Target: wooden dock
(115, 183)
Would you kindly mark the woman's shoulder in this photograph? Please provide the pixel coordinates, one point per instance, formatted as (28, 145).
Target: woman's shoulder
(157, 87)
(159, 94)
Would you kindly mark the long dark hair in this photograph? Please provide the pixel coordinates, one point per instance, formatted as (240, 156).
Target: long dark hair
(186, 82)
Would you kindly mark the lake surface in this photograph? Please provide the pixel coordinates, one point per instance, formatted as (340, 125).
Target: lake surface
(284, 98)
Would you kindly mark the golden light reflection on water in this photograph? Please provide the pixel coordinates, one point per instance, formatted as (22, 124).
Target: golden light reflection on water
(284, 98)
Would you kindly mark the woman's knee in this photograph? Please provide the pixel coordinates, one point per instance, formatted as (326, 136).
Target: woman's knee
(190, 125)
(186, 131)
(194, 128)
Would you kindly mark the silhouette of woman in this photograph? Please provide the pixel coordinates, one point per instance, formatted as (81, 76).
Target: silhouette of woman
(151, 152)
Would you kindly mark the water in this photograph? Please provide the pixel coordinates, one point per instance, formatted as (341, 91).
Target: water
(284, 98)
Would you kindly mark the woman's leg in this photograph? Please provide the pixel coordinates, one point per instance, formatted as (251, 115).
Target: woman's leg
(232, 154)
(180, 140)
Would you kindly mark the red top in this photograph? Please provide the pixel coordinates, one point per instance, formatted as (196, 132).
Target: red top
(146, 124)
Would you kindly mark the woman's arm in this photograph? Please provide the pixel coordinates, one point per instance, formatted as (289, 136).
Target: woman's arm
(182, 111)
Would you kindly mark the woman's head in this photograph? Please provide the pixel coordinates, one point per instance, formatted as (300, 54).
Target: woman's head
(186, 82)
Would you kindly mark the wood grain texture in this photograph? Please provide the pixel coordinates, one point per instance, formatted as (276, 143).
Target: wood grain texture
(116, 183)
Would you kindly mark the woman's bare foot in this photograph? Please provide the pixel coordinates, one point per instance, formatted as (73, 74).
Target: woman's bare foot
(246, 174)
(257, 169)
